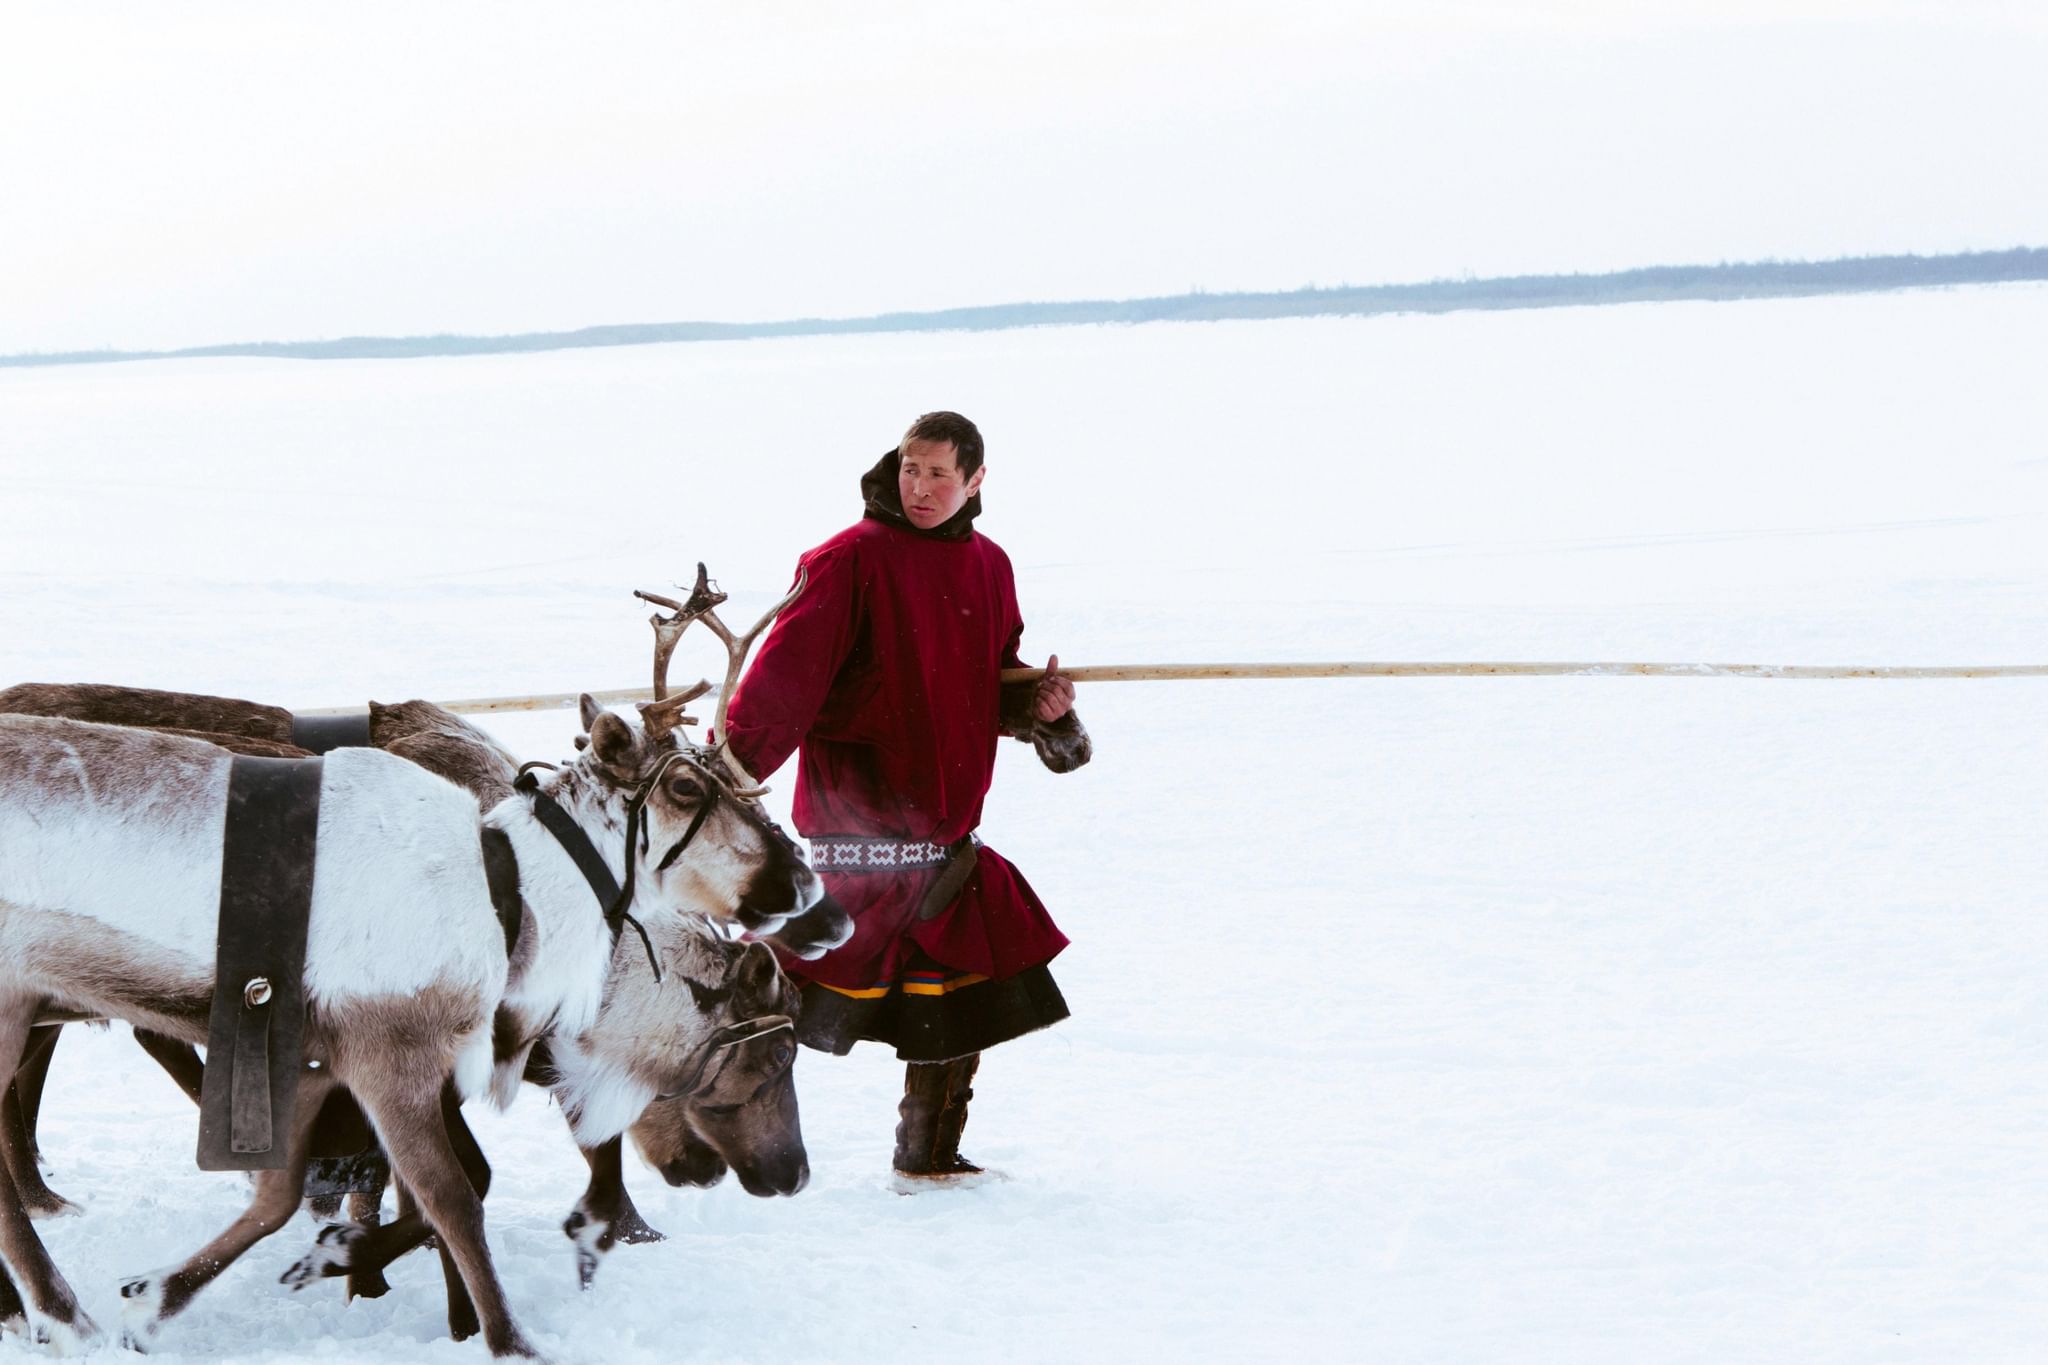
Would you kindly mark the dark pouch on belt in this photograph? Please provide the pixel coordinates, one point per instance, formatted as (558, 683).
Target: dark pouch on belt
(952, 877)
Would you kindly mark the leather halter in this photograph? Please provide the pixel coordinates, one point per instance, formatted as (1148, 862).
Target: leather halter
(724, 1044)
(617, 900)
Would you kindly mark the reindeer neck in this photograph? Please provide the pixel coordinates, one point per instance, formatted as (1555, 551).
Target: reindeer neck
(557, 981)
(605, 1078)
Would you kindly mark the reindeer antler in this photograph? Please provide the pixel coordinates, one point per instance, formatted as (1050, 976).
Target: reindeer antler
(667, 630)
(663, 715)
(702, 605)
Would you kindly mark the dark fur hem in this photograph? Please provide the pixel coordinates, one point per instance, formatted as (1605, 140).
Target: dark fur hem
(933, 1028)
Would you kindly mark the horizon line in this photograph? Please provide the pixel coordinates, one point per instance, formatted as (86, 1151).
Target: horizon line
(1727, 281)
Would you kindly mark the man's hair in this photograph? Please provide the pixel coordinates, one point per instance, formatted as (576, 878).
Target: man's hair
(949, 426)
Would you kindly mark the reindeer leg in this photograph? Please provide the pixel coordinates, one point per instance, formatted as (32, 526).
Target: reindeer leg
(13, 1312)
(361, 1250)
(366, 1210)
(177, 1057)
(366, 1207)
(423, 1155)
(51, 1310)
(18, 1129)
(156, 1298)
(605, 1215)
(462, 1323)
(30, 1076)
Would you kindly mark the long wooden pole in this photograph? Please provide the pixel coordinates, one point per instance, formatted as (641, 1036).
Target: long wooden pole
(1184, 672)
(480, 706)
(1198, 672)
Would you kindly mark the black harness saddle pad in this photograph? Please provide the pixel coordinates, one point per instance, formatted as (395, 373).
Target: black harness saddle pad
(321, 734)
(256, 1036)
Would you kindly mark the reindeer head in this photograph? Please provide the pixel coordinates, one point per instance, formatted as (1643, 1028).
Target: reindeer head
(741, 1110)
(697, 842)
(712, 1042)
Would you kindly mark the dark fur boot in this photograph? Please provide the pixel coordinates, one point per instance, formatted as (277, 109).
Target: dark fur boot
(933, 1113)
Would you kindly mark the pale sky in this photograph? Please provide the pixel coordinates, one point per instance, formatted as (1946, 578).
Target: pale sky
(207, 172)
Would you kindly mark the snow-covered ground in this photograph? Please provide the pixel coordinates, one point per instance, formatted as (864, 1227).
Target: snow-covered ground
(1543, 1020)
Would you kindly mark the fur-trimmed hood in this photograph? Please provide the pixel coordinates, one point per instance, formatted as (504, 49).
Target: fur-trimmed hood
(885, 504)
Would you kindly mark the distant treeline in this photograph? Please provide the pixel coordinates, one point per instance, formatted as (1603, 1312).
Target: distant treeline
(1655, 284)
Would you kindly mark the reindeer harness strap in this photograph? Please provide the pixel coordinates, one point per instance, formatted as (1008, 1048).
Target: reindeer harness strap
(319, 734)
(616, 900)
(255, 1040)
(501, 875)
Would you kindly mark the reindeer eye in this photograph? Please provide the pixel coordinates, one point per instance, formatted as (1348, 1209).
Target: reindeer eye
(685, 788)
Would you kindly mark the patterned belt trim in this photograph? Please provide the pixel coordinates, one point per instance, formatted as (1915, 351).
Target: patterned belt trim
(837, 854)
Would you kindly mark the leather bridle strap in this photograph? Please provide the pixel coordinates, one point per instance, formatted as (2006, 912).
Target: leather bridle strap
(722, 1044)
(577, 845)
(590, 863)
(617, 900)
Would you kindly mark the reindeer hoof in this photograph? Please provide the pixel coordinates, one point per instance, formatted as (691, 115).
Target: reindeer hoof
(592, 1237)
(634, 1230)
(332, 1250)
(368, 1283)
(49, 1204)
(76, 1337)
(142, 1310)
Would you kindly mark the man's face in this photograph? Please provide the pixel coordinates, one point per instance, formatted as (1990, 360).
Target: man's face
(929, 482)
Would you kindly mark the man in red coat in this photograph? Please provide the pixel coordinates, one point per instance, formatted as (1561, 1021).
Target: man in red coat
(883, 675)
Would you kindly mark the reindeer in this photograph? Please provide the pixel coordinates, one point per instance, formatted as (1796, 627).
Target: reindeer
(743, 1115)
(110, 858)
(443, 743)
(429, 735)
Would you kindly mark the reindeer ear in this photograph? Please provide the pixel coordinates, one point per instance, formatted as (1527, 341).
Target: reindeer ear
(589, 710)
(612, 740)
(758, 980)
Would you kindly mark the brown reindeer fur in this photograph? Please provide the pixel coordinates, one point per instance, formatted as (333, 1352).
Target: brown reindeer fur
(17, 1114)
(25, 1260)
(444, 743)
(395, 1057)
(241, 744)
(148, 709)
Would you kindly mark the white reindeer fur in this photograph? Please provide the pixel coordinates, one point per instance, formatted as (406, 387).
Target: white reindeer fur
(650, 1032)
(562, 986)
(124, 828)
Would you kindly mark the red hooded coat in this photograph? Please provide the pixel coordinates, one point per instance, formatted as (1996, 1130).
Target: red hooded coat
(884, 675)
